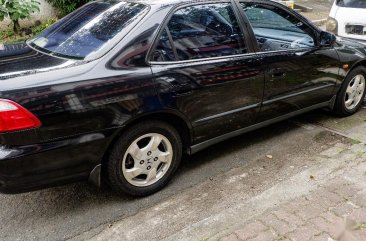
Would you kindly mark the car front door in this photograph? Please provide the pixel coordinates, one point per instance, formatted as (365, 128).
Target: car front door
(299, 74)
(207, 70)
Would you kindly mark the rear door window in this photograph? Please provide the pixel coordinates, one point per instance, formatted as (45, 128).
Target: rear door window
(199, 32)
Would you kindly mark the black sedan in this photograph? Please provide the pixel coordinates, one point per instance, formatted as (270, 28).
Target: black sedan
(117, 91)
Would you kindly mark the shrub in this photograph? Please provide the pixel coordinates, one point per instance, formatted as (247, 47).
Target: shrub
(8, 36)
(16, 10)
(42, 26)
(67, 6)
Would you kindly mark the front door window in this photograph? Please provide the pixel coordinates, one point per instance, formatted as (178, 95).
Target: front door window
(276, 29)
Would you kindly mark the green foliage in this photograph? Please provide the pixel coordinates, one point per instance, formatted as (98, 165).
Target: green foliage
(8, 36)
(38, 29)
(67, 6)
(17, 9)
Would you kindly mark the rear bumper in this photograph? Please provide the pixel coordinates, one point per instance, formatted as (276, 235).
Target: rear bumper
(29, 168)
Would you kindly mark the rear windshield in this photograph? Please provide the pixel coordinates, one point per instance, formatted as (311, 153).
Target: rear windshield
(352, 3)
(88, 29)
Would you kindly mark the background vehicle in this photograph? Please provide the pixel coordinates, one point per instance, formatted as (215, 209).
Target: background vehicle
(347, 18)
(119, 90)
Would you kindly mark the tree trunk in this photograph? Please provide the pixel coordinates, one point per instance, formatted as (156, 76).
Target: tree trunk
(16, 27)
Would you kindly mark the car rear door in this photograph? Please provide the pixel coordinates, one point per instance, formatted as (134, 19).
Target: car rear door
(205, 67)
(299, 74)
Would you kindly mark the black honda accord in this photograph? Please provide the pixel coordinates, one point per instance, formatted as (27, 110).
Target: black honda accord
(117, 91)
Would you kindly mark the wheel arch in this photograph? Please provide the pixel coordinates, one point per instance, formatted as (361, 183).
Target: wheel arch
(177, 120)
(347, 76)
(359, 63)
(172, 117)
(355, 65)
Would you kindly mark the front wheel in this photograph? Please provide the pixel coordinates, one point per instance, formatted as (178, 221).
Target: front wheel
(145, 158)
(352, 93)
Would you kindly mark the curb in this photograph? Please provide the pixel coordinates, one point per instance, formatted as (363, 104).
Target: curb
(303, 8)
(320, 22)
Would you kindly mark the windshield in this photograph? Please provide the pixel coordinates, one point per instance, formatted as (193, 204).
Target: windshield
(352, 3)
(88, 29)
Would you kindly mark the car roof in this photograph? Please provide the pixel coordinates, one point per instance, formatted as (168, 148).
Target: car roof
(174, 2)
(166, 2)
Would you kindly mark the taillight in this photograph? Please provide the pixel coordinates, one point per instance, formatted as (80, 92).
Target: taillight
(15, 117)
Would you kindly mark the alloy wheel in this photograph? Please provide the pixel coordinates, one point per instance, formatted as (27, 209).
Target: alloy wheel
(147, 159)
(354, 92)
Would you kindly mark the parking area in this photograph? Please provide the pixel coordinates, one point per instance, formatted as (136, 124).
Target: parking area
(307, 183)
(230, 183)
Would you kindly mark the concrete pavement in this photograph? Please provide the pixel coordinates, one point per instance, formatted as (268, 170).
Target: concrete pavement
(321, 8)
(307, 192)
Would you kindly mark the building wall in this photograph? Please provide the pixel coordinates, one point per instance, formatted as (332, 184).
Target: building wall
(47, 11)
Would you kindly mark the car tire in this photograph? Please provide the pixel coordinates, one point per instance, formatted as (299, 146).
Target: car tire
(144, 159)
(352, 93)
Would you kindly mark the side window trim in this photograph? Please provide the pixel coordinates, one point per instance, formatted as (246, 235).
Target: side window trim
(151, 63)
(166, 20)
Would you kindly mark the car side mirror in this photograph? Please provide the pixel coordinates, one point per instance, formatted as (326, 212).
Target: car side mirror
(327, 39)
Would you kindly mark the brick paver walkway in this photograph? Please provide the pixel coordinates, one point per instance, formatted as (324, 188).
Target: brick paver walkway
(335, 211)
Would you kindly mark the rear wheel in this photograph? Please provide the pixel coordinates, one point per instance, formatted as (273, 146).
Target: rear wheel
(352, 93)
(145, 158)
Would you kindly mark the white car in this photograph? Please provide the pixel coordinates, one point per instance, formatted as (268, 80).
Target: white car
(348, 19)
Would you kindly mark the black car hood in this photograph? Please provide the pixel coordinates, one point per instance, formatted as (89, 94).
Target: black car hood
(350, 51)
(19, 59)
(347, 43)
